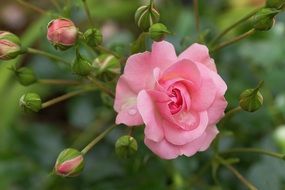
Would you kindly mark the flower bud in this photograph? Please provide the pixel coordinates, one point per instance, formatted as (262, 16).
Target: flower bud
(10, 46)
(81, 65)
(251, 99)
(275, 3)
(263, 20)
(107, 62)
(93, 37)
(31, 102)
(69, 163)
(62, 33)
(126, 146)
(158, 32)
(25, 76)
(146, 16)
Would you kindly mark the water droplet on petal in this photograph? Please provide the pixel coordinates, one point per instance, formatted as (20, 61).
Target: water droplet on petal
(132, 111)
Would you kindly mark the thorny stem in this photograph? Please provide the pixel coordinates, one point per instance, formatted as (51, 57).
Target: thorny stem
(101, 86)
(231, 41)
(46, 54)
(228, 29)
(197, 18)
(97, 139)
(236, 173)
(64, 97)
(58, 82)
(31, 6)
(254, 150)
(87, 12)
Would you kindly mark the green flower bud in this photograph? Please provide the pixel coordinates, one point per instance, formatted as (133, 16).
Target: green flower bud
(69, 163)
(263, 20)
(146, 16)
(107, 62)
(251, 99)
(81, 66)
(93, 37)
(158, 32)
(126, 146)
(25, 76)
(275, 3)
(10, 46)
(31, 102)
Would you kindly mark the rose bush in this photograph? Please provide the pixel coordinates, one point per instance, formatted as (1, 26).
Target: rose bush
(179, 99)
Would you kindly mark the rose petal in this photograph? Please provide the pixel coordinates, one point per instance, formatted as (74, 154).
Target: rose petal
(151, 118)
(203, 97)
(199, 53)
(200, 144)
(178, 136)
(216, 111)
(163, 149)
(182, 70)
(126, 105)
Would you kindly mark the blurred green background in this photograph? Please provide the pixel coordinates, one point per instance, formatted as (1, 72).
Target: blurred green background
(30, 143)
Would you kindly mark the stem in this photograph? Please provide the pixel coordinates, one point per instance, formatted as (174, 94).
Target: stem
(31, 6)
(46, 54)
(236, 39)
(56, 4)
(231, 112)
(58, 82)
(87, 12)
(97, 139)
(225, 31)
(101, 86)
(197, 18)
(63, 97)
(103, 49)
(255, 150)
(236, 173)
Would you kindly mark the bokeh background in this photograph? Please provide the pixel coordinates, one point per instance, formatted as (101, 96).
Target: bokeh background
(30, 143)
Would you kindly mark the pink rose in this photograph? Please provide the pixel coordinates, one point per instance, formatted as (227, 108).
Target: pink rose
(179, 99)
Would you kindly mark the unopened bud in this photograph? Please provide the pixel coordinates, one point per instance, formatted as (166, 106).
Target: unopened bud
(62, 33)
(126, 146)
(81, 65)
(263, 20)
(93, 37)
(25, 76)
(251, 99)
(69, 163)
(107, 62)
(275, 3)
(146, 16)
(10, 46)
(31, 102)
(158, 32)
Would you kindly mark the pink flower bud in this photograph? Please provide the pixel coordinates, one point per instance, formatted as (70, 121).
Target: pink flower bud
(62, 33)
(10, 46)
(69, 163)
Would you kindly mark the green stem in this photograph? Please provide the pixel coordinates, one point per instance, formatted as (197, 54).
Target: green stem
(56, 5)
(58, 82)
(31, 6)
(228, 29)
(101, 86)
(46, 54)
(63, 97)
(197, 18)
(103, 49)
(232, 112)
(254, 150)
(97, 139)
(236, 173)
(87, 12)
(231, 41)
